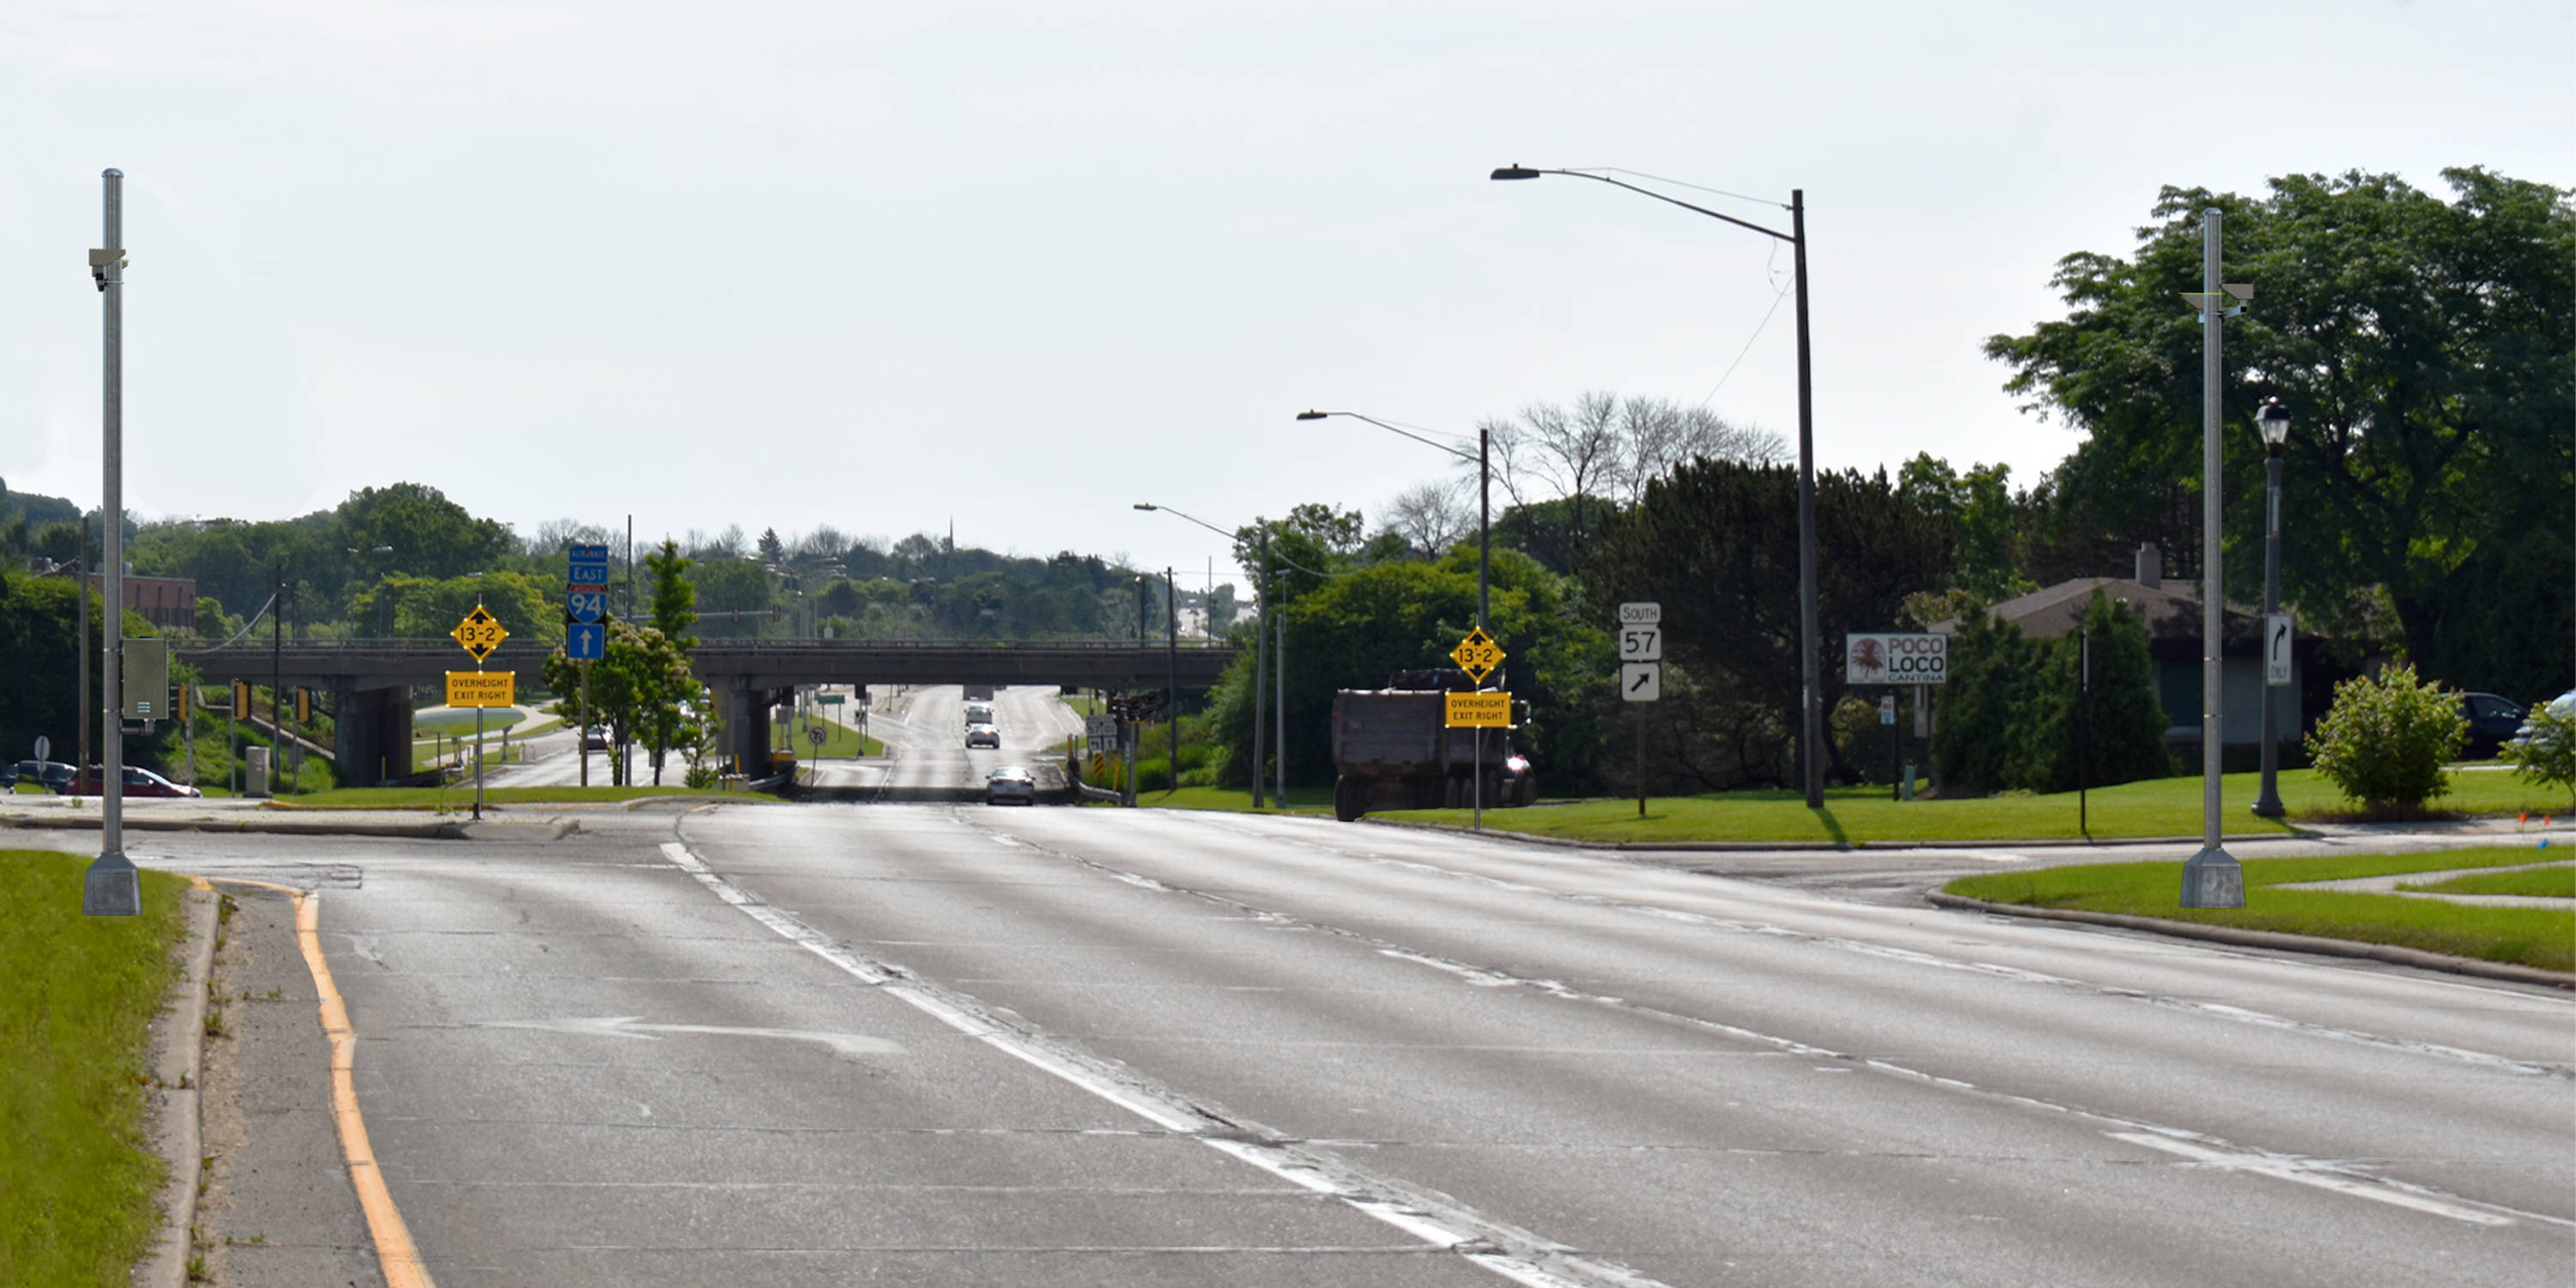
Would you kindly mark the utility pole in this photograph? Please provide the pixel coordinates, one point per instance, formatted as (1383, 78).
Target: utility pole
(80, 613)
(1260, 662)
(2211, 878)
(112, 887)
(1172, 681)
(276, 681)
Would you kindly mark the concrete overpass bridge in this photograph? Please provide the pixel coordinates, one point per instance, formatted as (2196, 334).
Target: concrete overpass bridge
(370, 681)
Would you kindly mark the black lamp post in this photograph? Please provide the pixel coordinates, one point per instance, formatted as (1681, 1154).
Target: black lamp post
(2274, 422)
(1811, 716)
(1484, 495)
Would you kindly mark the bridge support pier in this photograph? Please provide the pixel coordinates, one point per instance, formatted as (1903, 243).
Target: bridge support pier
(371, 737)
(745, 712)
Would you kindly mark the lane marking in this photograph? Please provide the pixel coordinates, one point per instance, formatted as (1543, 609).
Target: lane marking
(396, 1255)
(632, 1026)
(2207, 1010)
(1432, 1218)
(2348, 1180)
(2307, 1172)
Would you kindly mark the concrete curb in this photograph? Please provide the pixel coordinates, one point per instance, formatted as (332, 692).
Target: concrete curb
(2389, 953)
(180, 1075)
(275, 826)
(1842, 847)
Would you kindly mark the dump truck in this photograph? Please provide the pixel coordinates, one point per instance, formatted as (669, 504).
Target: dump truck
(1393, 749)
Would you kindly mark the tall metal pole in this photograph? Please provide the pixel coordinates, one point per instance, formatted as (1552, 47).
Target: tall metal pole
(1811, 722)
(1484, 521)
(2211, 878)
(112, 887)
(2267, 802)
(1172, 679)
(276, 682)
(1261, 665)
(87, 713)
(1279, 713)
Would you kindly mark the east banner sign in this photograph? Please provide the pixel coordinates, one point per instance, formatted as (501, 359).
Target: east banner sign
(1896, 659)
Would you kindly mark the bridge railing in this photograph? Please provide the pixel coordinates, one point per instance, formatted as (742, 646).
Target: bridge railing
(355, 644)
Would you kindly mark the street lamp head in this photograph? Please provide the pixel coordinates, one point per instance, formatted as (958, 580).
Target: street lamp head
(1514, 171)
(2274, 421)
(1142, 506)
(1312, 415)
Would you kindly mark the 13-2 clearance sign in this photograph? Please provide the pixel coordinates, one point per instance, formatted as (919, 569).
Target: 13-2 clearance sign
(1896, 659)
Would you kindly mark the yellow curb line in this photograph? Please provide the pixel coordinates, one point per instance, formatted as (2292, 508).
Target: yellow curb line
(395, 1255)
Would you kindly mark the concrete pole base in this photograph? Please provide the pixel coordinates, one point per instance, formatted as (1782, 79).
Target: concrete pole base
(113, 888)
(2213, 879)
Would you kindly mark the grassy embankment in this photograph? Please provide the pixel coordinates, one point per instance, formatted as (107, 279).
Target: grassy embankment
(76, 1179)
(458, 797)
(2156, 807)
(840, 742)
(2542, 937)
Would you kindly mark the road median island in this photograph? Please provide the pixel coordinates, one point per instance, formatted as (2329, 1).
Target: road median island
(2530, 945)
(78, 1176)
(2157, 809)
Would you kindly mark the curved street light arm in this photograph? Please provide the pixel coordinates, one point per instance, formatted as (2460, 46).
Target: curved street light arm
(1649, 192)
(1459, 452)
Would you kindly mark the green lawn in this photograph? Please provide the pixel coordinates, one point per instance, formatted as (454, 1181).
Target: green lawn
(2542, 937)
(76, 1179)
(460, 796)
(840, 742)
(1083, 704)
(2157, 807)
(460, 724)
(1301, 800)
(2546, 883)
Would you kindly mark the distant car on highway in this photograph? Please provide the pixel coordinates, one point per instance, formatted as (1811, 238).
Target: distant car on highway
(978, 713)
(2492, 720)
(983, 735)
(138, 782)
(1011, 784)
(594, 738)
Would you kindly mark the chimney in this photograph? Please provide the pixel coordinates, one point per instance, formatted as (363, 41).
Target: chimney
(2151, 567)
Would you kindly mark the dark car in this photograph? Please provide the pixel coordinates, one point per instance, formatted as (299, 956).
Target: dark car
(1011, 784)
(594, 738)
(53, 775)
(2492, 721)
(138, 782)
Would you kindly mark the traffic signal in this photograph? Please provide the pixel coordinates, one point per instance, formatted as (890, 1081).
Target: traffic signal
(241, 699)
(303, 705)
(179, 708)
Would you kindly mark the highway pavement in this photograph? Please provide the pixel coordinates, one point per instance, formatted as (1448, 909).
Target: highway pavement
(755, 1045)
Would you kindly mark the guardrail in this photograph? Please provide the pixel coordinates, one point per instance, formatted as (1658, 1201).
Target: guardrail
(353, 644)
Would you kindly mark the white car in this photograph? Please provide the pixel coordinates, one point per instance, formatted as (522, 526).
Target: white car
(1009, 785)
(983, 735)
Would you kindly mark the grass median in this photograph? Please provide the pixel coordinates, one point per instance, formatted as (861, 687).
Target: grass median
(840, 741)
(2541, 937)
(2530, 883)
(1854, 815)
(76, 1177)
(1301, 800)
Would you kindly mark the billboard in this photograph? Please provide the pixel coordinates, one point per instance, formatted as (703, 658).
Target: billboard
(1885, 658)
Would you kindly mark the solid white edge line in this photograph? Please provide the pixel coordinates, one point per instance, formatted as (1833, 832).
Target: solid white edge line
(2282, 1169)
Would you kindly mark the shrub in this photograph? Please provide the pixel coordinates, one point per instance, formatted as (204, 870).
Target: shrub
(2387, 738)
(2547, 753)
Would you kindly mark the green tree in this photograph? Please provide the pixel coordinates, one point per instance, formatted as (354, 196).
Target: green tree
(735, 594)
(642, 687)
(1986, 514)
(1716, 543)
(2420, 346)
(426, 608)
(2126, 736)
(674, 599)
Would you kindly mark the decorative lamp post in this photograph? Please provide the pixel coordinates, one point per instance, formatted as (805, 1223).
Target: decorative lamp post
(2274, 422)
(1811, 725)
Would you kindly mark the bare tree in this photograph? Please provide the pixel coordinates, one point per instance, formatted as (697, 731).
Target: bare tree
(824, 542)
(1608, 447)
(1432, 516)
(553, 535)
(1657, 435)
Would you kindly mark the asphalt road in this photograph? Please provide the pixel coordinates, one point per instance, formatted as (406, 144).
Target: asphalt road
(836, 1044)
(924, 731)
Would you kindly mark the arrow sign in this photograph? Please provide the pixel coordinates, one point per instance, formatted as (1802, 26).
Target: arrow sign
(585, 641)
(632, 1026)
(1641, 681)
(1477, 655)
(2276, 649)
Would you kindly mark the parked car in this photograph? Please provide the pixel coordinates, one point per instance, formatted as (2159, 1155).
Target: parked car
(1009, 785)
(2492, 720)
(52, 775)
(983, 735)
(138, 782)
(2564, 706)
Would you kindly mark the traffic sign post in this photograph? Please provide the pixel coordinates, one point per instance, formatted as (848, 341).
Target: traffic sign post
(1477, 655)
(585, 635)
(479, 634)
(1641, 671)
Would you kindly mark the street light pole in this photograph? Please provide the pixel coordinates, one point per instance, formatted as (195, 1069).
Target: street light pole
(2211, 878)
(1810, 681)
(2274, 422)
(1483, 460)
(112, 887)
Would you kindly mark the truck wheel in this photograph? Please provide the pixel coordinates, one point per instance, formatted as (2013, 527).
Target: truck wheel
(1350, 799)
(1525, 792)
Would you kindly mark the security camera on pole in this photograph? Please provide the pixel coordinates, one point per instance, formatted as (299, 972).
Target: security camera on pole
(2212, 878)
(112, 888)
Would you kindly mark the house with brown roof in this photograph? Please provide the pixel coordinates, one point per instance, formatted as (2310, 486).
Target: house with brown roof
(2172, 615)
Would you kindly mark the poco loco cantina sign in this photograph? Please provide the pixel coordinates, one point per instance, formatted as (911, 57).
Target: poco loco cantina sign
(1896, 659)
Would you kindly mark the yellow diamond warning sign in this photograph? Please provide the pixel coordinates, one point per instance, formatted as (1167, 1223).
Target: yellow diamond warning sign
(1480, 711)
(480, 633)
(482, 689)
(1477, 655)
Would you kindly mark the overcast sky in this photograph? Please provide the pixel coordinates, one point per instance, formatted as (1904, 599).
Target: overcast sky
(1022, 265)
